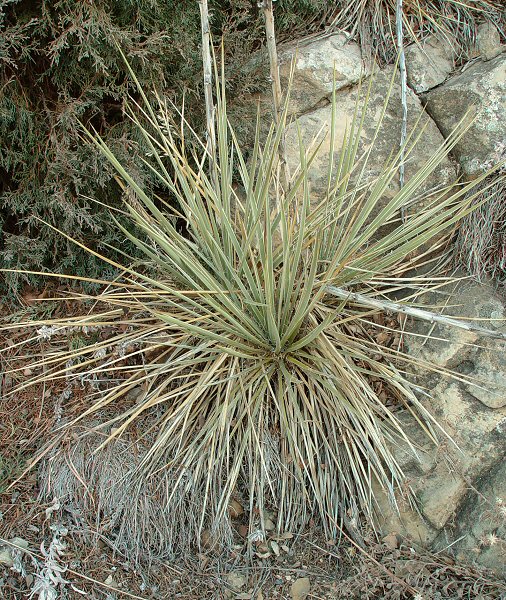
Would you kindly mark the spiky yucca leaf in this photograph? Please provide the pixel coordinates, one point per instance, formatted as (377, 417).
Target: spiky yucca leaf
(254, 376)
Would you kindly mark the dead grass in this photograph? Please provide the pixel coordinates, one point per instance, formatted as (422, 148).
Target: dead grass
(110, 497)
(336, 571)
(480, 246)
(373, 22)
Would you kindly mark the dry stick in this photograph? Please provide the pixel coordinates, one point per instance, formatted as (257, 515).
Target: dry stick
(402, 71)
(273, 57)
(276, 86)
(208, 87)
(417, 313)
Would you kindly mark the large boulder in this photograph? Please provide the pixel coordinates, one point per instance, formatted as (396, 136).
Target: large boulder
(479, 91)
(429, 62)
(488, 41)
(460, 484)
(317, 124)
(320, 65)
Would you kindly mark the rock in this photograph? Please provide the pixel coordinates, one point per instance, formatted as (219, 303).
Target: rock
(457, 482)
(482, 523)
(478, 357)
(490, 367)
(391, 541)
(236, 580)
(480, 91)
(440, 494)
(300, 588)
(314, 65)
(488, 41)
(428, 63)
(403, 519)
(6, 557)
(387, 141)
(235, 508)
(20, 543)
(311, 85)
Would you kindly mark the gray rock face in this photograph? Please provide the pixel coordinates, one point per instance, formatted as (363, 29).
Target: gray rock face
(470, 354)
(429, 63)
(481, 91)
(317, 124)
(488, 41)
(482, 523)
(461, 484)
(315, 63)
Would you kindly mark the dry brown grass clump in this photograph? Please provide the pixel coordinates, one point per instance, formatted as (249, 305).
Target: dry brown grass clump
(374, 21)
(109, 497)
(480, 246)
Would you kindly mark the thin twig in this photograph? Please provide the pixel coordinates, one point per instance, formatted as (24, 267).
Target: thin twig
(273, 58)
(277, 96)
(402, 72)
(208, 84)
(416, 313)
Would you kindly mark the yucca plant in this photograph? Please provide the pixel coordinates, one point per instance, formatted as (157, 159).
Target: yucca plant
(247, 329)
